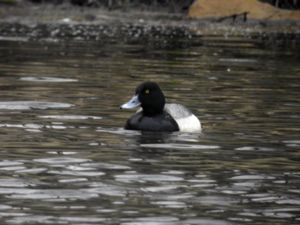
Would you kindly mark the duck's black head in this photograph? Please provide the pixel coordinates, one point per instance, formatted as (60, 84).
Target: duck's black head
(150, 97)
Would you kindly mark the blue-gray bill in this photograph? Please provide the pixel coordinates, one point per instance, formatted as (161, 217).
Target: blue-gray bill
(132, 103)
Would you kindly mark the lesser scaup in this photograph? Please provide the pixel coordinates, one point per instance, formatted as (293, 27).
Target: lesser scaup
(156, 115)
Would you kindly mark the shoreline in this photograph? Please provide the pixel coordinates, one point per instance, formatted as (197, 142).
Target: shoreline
(42, 21)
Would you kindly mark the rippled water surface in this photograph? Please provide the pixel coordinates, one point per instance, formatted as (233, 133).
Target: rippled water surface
(65, 158)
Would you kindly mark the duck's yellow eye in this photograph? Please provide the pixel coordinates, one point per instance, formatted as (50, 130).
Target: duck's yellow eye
(147, 91)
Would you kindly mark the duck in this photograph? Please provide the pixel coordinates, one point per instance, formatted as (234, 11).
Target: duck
(156, 115)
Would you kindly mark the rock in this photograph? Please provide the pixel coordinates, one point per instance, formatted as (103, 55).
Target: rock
(254, 9)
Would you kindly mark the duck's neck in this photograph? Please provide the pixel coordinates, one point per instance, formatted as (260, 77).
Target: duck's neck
(152, 111)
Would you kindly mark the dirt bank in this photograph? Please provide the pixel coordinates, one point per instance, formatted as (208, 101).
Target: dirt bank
(253, 8)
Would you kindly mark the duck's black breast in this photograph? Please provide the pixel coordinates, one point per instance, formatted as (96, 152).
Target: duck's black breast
(160, 122)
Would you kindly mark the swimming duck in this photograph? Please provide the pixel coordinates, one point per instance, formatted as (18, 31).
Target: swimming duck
(155, 115)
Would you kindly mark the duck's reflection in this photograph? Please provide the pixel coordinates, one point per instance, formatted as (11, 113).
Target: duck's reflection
(147, 137)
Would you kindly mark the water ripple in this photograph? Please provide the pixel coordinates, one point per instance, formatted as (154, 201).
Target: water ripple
(51, 195)
(40, 219)
(170, 204)
(152, 221)
(70, 117)
(76, 173)
(48, 79)
(60, 160)
(128, 178)
(13, 182)
(252, 177)
(106, 166)
(180, 146)
(107, 189)
(28, 105)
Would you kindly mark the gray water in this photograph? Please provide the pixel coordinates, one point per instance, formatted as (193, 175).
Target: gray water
(65, 158)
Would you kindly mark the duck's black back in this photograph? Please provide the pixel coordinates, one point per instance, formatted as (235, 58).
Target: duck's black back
(159, 122)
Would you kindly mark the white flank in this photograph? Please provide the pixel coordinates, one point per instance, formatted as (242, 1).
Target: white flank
(189, 124)
(186, 120)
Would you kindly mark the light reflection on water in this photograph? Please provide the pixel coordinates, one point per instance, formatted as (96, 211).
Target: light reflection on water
(65, 158)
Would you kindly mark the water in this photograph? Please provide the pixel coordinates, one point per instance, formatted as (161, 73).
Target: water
(65, 158)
